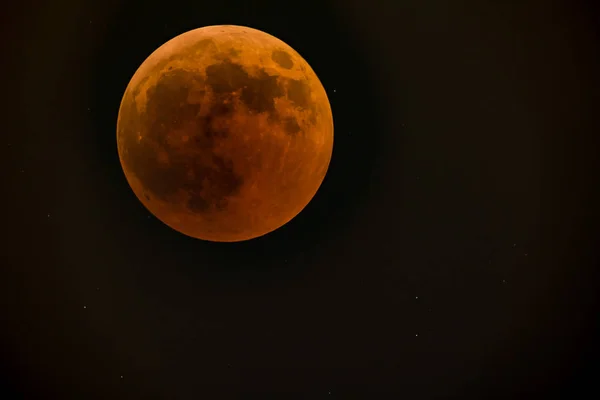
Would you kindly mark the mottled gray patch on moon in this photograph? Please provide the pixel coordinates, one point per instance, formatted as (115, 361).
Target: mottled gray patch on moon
(298, 92)
(282, 59)
(208, 179)
(257, 92)
(291, 126)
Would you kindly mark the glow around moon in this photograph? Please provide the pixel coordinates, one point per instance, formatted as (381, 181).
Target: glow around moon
(225, 133)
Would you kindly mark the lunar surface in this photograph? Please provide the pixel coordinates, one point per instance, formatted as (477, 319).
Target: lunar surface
(225, 133)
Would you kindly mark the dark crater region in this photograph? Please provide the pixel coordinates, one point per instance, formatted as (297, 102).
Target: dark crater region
(208, 179)
(282, 59)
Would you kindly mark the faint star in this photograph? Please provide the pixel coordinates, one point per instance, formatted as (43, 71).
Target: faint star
(84, 306)
(416, 334)
(503, 280)
(525, 254)
(333, 90)
(48, 215)
(514, 245)
(417, 297)
(121, 376)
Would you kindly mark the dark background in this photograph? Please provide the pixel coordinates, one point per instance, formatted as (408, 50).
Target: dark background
(449, 253)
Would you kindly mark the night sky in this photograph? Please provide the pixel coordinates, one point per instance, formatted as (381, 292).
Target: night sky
(451, 252)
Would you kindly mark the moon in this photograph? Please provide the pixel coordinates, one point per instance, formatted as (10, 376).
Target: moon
(225, 133)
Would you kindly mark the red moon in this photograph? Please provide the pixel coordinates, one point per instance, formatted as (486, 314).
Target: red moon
(225, 133)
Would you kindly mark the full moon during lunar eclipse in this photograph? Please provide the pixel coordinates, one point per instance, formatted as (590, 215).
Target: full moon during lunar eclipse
(225, 133)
